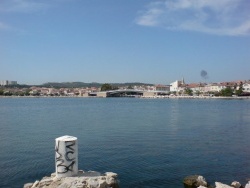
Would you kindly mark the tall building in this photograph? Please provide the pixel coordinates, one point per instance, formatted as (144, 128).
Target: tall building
(175, 85)
(183, 82)
(7, 83)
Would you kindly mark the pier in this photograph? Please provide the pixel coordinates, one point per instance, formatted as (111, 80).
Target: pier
(127, 93)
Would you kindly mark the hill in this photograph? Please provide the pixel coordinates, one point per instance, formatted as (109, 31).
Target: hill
(83, 84)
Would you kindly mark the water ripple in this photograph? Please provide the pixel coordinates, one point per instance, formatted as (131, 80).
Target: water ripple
(149, 143)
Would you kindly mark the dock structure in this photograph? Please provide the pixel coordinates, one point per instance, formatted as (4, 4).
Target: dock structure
(127, 93)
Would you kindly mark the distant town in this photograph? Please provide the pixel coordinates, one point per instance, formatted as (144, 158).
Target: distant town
(81, 89)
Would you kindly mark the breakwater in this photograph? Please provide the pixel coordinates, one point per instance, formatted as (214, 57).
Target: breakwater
(198, 181)
(81, 180)
(67, 174)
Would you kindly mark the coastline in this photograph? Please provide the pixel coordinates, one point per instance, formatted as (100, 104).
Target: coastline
(194, 97)
(141, 97)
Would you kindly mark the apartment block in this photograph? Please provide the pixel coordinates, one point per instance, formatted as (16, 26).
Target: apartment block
(7, 83)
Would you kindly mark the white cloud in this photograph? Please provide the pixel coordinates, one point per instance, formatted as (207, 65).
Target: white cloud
(150, 18)
(22, 5)
(220, 17)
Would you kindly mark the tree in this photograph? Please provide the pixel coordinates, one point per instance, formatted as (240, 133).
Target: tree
(227, 92)
(188, 91)
(8, 93)
(197, 92)
(1, 92)
(240, 90)
(27, 92)
(130, 87)
(21, 93)
(106, 87)
(115, 88)
(174, 92)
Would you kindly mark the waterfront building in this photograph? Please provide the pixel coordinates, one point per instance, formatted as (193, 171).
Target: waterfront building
(217, 87)
(214, 87)
(246, 87)
(150, 88)
(174, 86)
(165, 88)
(196, 87)
(177, 85)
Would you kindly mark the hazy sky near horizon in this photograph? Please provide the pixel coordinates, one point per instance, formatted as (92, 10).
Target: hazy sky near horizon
(152, 41)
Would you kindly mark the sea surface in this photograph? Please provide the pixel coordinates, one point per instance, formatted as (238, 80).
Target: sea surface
(150, 143)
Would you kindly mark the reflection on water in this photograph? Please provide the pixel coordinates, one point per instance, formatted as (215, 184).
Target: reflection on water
(149, 143)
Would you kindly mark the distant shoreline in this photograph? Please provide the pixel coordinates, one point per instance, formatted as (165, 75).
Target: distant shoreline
(198, 97)
(152, 97)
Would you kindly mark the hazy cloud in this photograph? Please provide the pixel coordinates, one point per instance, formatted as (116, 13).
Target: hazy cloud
(22, 5)
(221, 17)
(4, 26)
(25, 6)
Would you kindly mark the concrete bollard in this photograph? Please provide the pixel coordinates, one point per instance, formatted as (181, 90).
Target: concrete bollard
(66, 156)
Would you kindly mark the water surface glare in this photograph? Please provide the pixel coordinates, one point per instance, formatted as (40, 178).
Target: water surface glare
(148, 142)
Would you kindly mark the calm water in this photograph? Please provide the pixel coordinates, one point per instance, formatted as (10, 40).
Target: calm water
(149, 143)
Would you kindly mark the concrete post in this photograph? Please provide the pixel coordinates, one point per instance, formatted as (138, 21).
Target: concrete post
(66, 156)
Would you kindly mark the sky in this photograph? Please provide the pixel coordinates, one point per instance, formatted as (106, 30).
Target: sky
(111, 41)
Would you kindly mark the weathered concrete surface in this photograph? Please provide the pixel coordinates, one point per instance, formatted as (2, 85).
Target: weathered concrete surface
(89, 179)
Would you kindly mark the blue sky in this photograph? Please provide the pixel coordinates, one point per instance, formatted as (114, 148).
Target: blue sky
(152, 41)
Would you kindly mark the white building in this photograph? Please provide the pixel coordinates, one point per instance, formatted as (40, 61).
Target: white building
(175, 86)
(7, 83)
(213, 87)
(3, 82)
(246, 87)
